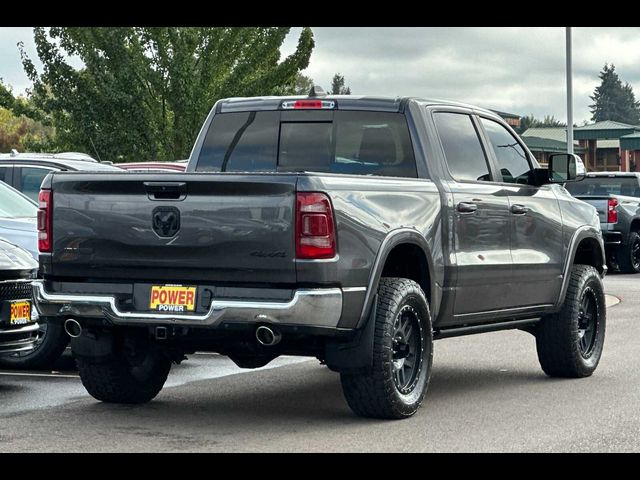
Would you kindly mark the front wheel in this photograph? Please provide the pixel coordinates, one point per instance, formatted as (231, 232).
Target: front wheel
(570, 342)
(402, 355)
(51, 343)
(629, 255)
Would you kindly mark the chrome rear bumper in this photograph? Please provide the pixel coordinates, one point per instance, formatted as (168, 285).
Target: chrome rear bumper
(308, 307)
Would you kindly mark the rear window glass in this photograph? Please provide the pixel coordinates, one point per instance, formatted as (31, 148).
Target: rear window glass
(366, 143)
(627, 186)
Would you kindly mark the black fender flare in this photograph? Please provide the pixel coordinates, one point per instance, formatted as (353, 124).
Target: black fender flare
(356, 355)
(393, 239)
(582, 233)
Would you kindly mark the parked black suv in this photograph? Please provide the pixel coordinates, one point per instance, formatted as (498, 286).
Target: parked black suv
(353, 229)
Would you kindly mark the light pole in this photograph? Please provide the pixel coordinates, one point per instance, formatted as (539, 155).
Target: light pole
(569, 94)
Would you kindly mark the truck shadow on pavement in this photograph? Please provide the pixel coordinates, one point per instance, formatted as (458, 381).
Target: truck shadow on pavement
(300, 393)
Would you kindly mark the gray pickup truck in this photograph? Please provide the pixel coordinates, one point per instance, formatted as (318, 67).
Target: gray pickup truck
(353, 229)
(616, 196)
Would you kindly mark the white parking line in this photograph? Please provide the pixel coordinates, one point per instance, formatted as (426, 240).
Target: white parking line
(23, 374)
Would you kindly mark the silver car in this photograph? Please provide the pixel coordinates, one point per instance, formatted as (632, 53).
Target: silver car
(18, 328)
(18, 219)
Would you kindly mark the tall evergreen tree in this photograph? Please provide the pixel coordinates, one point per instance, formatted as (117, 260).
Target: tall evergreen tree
(613, 100)
(338, 87)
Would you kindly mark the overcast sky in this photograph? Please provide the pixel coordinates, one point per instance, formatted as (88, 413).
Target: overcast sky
(519, 70)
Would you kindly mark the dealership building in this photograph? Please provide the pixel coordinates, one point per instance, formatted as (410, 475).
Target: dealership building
(603, 146)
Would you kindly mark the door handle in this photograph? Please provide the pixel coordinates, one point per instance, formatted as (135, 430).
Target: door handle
(467, 207)
(518, 209)
(166, 190)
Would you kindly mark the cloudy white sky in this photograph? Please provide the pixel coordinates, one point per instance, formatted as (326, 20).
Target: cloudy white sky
(520, 70)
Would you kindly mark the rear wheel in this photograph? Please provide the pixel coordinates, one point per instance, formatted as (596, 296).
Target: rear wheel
(135, 375)
(570, 342)
(629, 255)
(52, 340)
(402, 355)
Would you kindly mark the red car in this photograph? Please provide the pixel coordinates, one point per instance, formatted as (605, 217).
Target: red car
(154, 167)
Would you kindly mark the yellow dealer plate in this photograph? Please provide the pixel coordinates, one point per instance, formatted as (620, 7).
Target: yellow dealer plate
(172, 298)
(20, 313)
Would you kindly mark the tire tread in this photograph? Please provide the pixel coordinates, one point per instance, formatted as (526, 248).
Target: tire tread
(372, 394)
(558, 352)
(112, 382)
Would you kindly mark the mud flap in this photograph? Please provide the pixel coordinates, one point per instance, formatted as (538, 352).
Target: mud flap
(357, 355)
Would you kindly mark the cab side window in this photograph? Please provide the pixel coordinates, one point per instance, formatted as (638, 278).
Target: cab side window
(462, 148)
(512, 159)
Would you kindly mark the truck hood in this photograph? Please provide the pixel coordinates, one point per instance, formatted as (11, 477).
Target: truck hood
(22, 232)
(15, 258)
(23, 224)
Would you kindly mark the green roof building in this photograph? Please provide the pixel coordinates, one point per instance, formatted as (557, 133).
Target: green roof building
(604, 146)
(609, 146)
(544, 142)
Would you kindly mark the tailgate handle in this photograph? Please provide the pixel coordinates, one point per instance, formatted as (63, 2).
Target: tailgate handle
(166, 190)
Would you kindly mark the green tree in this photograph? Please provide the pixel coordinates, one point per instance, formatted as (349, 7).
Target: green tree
(22, 126)
(613, 100)
(530, 121)
(303, 84)
(143, 92)
(22, 133)
(338, 87)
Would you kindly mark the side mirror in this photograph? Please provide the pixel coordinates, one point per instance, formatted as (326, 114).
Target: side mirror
(565, 167)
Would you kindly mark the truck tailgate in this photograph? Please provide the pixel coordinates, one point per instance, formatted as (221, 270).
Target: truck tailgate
(174, 227)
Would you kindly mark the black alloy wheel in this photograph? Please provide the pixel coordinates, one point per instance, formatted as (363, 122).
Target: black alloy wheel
(407, 349)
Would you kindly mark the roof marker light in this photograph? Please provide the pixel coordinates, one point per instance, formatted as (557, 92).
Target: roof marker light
(308, 104)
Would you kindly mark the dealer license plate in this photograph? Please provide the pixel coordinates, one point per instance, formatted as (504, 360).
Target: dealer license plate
(172, 298)
(20, 313)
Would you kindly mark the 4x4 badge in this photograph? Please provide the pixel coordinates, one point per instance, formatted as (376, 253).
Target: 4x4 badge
(166, 221)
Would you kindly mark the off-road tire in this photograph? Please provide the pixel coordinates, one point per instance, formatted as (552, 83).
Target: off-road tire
(374, 393)
(558, 338)
(117, 380)
(626, 261)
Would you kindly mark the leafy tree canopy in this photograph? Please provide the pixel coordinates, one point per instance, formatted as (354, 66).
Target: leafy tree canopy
(530, 121)
(144, 92)
(22, 133)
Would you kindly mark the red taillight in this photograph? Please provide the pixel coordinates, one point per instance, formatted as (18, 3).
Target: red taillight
(612, 213)
(308, 104)
(315, 232)
(44, 221)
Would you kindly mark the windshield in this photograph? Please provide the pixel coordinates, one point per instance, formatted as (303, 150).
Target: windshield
(601, 186)
(352, 142)
(15, 205)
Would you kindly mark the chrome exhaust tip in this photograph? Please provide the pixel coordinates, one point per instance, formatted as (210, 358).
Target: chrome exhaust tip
(73, 328)
(267, 336)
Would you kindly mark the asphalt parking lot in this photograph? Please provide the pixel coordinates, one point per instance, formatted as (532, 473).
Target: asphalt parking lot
(487, 393)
